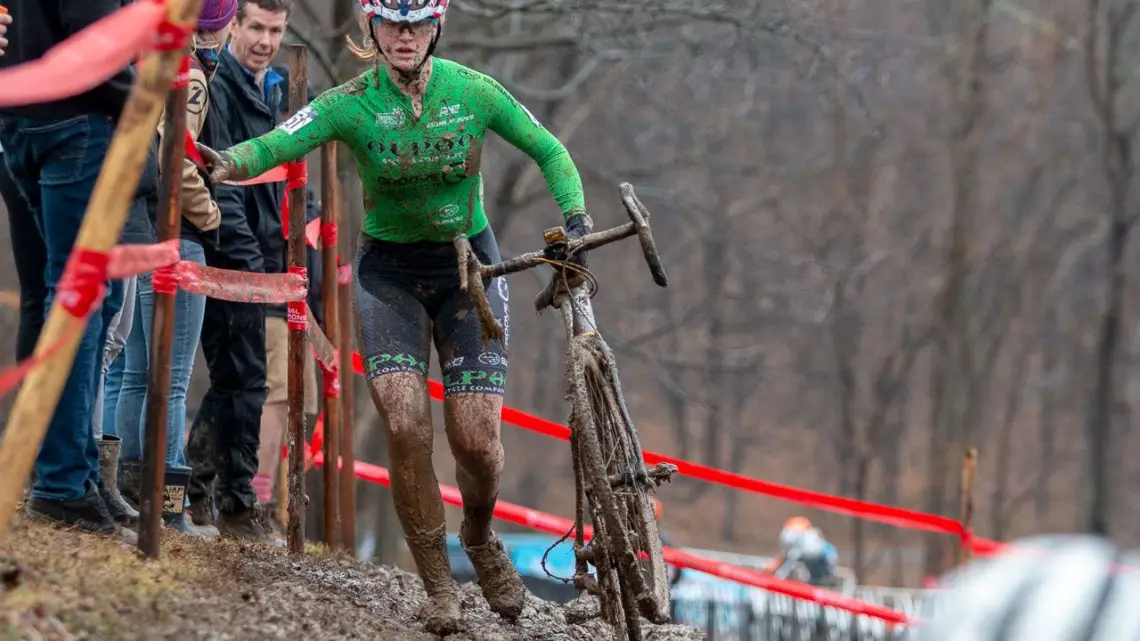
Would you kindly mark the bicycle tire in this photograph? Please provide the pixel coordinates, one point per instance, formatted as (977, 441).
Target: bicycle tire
(658, 607)
(603, 503)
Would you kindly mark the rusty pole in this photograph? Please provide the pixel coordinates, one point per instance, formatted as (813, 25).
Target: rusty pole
(298, 77)
(347, 387)
(158, 384)
(330, 198)
(969, 465)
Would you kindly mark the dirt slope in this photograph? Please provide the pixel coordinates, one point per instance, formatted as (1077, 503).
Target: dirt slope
(63, 585)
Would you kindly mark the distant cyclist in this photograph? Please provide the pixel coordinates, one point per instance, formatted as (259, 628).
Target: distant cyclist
(416, 126)
(1050, 588)
(803, 549)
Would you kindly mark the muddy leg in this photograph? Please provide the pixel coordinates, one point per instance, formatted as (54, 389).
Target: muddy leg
(473, 433)
(403, 403)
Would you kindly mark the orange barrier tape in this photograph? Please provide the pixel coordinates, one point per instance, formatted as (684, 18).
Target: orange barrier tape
(241, 287)
(85, 60)
(559, 526)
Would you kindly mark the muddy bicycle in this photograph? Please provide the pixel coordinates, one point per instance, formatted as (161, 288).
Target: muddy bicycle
(611, 479)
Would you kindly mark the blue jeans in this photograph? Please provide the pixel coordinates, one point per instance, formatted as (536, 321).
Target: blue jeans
(189, 309)
(107, 403)
(54, 164)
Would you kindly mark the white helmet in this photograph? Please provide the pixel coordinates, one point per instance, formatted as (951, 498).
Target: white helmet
(405, 10)
(1051, 588)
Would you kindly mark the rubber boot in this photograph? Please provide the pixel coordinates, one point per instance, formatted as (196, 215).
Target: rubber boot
(174, 502)
(130, 481)
(440, 613)
(498, 578)
(120, 510)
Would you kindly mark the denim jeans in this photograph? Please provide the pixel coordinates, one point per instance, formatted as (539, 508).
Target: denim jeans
(30, 256)
(107, 401)
(54, 164)
(131, 414)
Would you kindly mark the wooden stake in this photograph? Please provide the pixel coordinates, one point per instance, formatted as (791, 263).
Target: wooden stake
(119, 177)
(347, 388)
(969, 465)
(158, 386)
(329, 198)
(298, 343)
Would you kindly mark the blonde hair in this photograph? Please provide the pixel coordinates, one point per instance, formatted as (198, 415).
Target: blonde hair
(206, 40)
(366, 52)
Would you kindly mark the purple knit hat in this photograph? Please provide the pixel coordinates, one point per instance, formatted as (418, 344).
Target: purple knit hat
(216, 14)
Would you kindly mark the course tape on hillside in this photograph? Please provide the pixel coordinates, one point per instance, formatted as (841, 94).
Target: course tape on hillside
(887, 514)
(92, 56)
(558, 526)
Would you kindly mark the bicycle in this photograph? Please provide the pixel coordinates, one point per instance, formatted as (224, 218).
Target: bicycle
(611, 479)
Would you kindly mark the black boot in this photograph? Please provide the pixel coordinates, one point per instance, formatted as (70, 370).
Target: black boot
(87, 513)
(130, 481)
(174, 502)
(120, 510)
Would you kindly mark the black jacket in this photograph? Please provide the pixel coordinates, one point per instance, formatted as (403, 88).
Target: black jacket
(140, 226)
(251, 235)
(39, 25)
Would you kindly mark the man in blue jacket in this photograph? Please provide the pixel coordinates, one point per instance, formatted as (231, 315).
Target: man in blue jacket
(249, 97)
(53, 152)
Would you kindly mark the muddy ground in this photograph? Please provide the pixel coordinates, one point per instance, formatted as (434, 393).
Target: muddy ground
(58, 584)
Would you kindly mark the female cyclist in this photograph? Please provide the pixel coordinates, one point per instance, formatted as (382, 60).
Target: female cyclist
(415, 125)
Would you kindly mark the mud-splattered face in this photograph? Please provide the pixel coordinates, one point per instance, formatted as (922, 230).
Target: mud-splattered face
(404, 45)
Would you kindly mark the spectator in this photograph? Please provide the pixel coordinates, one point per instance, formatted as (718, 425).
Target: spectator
(5, 20)
(225, 436)
(53, 152)
(201, 220)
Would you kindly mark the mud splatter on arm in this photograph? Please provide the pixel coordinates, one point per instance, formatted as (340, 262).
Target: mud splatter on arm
(508, 118)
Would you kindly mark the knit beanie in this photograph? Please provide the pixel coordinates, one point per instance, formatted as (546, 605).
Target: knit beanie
(216, 14)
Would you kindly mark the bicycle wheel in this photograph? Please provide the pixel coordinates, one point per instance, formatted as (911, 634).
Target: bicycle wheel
(610, 543)
(619, 436)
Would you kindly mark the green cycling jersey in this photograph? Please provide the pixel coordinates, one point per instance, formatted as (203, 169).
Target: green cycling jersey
(421, 175)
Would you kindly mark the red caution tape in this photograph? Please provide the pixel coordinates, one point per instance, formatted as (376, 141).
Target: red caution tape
(331, 379)
(558, 526)
(275, 175)
(83, 283)
(83, 61)
(182, 79)
(169, 36)
(241, 287)
(297, 315)
(313, 233)
(131, 260)
(192, 152)
(10, 378)
(890, 515)
(344, 275)
(296, 177)
(164, 280)
(328, 235)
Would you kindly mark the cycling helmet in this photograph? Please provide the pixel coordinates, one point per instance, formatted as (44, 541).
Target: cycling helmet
(405, 10)
(1055, 588)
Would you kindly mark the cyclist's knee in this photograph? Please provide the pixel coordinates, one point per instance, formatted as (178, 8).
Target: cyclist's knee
(473, 429)
(402, 401)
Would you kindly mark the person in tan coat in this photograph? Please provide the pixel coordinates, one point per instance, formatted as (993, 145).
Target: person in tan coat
(201, 220)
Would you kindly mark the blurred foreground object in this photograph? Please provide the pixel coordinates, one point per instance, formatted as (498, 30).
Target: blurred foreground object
(1049, 588)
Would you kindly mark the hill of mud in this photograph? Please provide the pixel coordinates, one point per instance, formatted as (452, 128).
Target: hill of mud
(59, 584)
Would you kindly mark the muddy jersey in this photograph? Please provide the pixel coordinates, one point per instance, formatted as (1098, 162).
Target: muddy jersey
(421, 175)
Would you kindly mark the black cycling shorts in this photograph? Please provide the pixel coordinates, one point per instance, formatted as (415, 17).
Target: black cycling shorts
(408, 296)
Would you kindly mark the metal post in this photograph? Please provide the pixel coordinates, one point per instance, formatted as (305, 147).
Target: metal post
(298, 75)
(330, 198)
(162, 327)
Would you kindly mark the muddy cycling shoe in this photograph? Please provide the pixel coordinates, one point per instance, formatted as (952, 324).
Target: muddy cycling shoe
(440, 613)
(498, 578)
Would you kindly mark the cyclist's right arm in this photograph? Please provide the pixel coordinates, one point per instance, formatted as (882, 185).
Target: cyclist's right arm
(306, 130)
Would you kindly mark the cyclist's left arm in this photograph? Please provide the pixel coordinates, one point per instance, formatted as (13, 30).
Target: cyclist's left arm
(517, 125)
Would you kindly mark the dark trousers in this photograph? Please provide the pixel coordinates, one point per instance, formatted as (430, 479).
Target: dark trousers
(227, 430)
(53, 163)
(30, 256)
